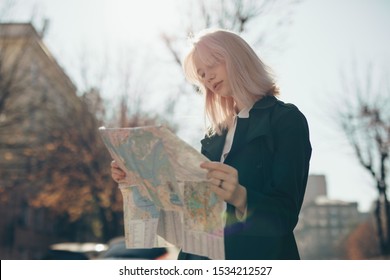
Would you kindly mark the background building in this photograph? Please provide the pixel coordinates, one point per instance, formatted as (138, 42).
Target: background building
(324, 223)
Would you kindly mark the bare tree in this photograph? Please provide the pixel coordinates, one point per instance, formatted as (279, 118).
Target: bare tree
(123, 80)
(235, 15)
(365, 120)
(84, 161)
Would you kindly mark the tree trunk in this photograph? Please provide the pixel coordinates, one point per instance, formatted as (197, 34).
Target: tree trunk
(386, 223)
(378, 218)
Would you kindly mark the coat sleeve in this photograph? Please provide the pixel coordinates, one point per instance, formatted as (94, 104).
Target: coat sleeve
(275, 210)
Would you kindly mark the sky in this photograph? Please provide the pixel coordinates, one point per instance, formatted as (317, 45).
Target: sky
(326, 39)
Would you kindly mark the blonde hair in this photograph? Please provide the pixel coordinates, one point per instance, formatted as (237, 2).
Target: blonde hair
(249, 78)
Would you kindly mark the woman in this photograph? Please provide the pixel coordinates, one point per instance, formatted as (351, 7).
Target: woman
(258, 146)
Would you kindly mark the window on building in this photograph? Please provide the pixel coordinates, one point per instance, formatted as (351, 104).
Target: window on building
(333, 211)
(334, 221)
(334, 232)
(34, 73)
(322, 222)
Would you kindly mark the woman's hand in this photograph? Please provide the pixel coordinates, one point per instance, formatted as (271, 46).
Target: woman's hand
(116, 172)
(224, 182)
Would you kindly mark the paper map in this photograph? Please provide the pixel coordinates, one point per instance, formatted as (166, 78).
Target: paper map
(166, 198)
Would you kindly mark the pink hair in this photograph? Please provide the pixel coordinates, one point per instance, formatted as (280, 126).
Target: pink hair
(249, 78)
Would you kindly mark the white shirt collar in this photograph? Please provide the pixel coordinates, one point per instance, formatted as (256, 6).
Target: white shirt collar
(244, 113)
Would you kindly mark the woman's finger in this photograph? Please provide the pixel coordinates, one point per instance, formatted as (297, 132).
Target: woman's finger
(218, 175)
(214, 165)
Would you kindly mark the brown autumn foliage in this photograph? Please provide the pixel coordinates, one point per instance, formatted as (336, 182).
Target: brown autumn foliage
(362, 243)
(51, 155)
(67, 171)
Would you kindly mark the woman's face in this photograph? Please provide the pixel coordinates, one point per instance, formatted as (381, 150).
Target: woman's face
(213, 77)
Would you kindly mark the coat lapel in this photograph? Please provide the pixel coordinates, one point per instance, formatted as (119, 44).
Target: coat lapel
(212, 146)
(239, 139)
(260, 118)
(257, 125)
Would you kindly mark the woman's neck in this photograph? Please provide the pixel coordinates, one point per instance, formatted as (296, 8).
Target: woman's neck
(238, 106)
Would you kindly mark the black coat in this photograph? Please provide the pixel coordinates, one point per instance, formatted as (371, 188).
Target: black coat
(271, 151)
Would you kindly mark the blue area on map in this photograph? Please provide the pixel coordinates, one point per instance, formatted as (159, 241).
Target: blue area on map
(145, 203)
(154, 167)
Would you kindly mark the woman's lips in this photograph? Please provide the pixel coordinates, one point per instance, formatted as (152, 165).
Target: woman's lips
(217, 85)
